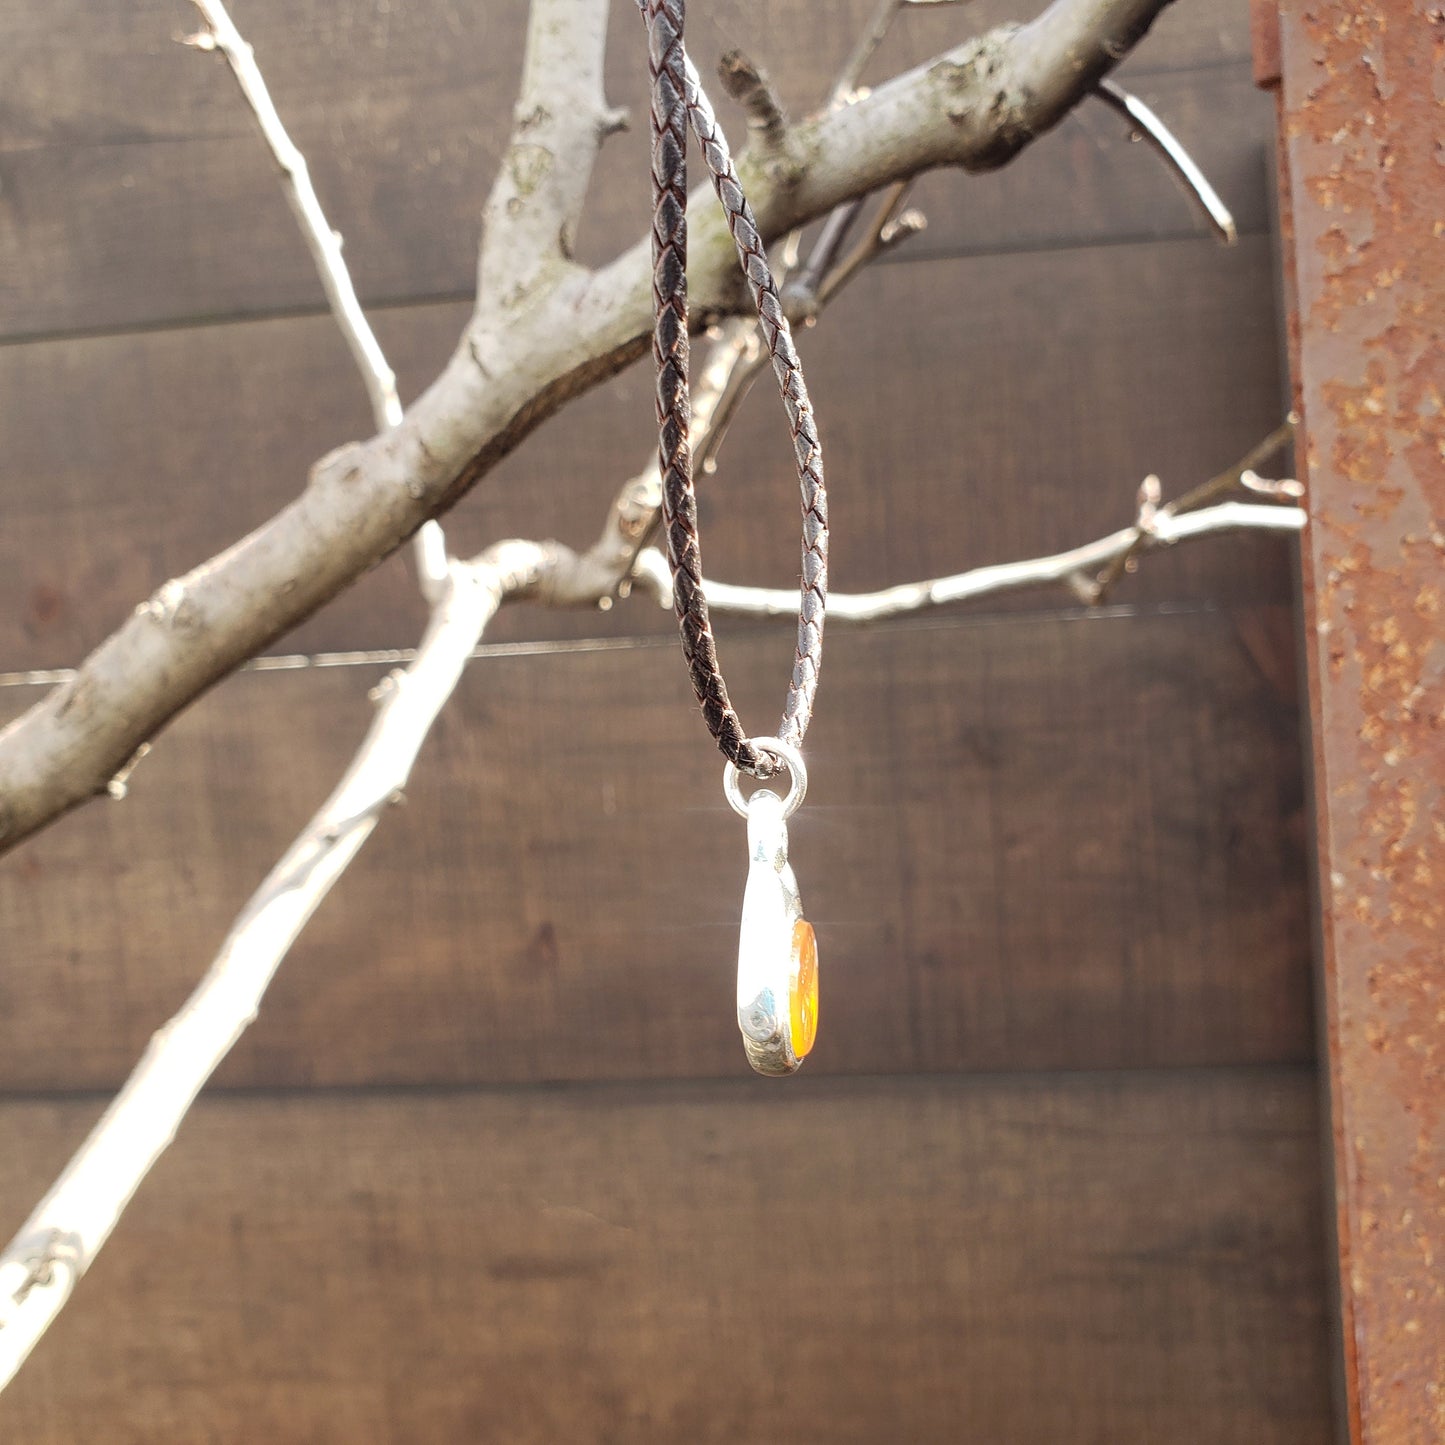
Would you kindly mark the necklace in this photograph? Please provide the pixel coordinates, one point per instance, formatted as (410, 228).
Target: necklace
(777, 952)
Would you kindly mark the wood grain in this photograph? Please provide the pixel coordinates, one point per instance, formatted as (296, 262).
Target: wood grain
(1130, 1259)
(134, 192)
(973, 411)
(1036, 842)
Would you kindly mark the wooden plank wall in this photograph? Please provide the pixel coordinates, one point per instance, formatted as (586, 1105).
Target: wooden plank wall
(489, 1167)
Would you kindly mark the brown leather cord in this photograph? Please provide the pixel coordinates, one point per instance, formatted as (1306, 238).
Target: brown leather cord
(677, 98)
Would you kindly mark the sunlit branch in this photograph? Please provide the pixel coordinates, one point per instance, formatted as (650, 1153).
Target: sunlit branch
(325, 245)
(1181, 165)
(1063, 567)
(66, 1230)
(1089, 571)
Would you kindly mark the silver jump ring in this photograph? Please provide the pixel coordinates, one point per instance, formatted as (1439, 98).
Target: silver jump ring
(785, 753)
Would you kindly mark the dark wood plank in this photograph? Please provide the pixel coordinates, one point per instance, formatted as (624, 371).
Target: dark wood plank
(133, 190)
(975, 411)
(1130, 1259)
(1030, 843)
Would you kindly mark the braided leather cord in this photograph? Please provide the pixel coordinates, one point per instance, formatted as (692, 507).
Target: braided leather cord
(677, 97)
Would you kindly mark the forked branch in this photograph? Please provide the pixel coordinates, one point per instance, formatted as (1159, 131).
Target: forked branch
(975, 106)
(531, 217)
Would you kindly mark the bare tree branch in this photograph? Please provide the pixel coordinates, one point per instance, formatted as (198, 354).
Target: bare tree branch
(891, 226)
(1197, 513)
(741, 78)
(1181, 165)
(1151, 516)
(869, 41)
(975, 106)
(1071, 568)
(60, 1240)
(531, 217)
(325, 245)
(804, 289)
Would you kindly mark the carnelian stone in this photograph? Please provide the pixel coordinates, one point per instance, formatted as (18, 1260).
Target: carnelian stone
(803, 992)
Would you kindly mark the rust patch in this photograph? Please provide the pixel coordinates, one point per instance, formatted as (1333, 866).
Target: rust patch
(1363, 86)
(1264, 41)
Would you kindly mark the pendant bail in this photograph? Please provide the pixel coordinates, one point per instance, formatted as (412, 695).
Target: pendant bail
(786, 754)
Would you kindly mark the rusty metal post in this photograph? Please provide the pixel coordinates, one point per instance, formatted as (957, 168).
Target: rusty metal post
(1362, 177)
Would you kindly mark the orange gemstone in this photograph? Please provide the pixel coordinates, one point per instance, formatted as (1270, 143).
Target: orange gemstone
(803, 993)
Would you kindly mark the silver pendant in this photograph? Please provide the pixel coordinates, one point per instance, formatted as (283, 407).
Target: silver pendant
(777, 952)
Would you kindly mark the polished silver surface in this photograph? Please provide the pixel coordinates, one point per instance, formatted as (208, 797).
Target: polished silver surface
(771, 906)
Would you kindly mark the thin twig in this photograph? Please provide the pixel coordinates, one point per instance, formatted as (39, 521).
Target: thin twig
(1197, 513)
(1216, 487)
(890, 227)
(323, 242)
(325, 245)
(749, 86)
(869, 41)
(1180, 164)
(1063, 567)
(1232, 477)
(803, 290)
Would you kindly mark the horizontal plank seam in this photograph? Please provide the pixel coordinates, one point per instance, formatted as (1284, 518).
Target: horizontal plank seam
(1128, 73)
(805, 1087)
(1131, 74)
(905, 255)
